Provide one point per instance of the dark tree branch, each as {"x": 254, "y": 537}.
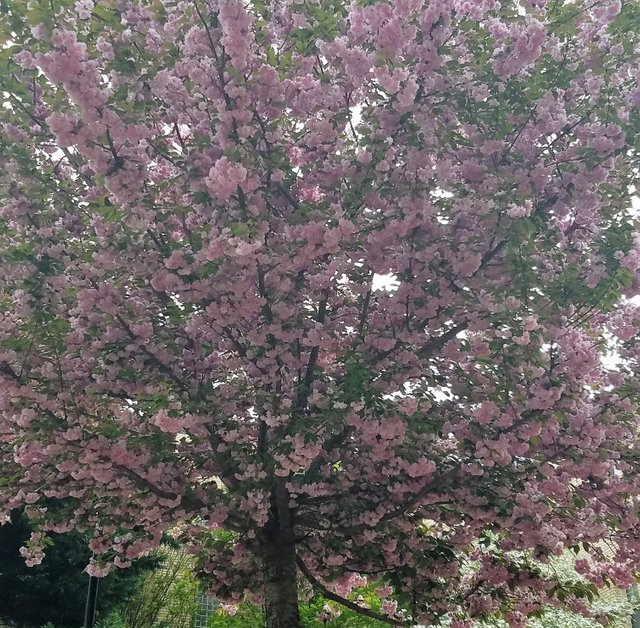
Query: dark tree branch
{"x": 364, "y": 314}
{"x": 307, "y": 381}
{"x": 330, "y": 444}
{"x": 413, "y": 501}
{"x": 161, "y": 365}
{"x": 8, "y": 370}
{"x": 437, "y": 343}
{"x": 330, "y": 595}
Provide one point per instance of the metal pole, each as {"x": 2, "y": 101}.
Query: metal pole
{"x": 632, "y": 595}
{"x": 92, "y": 599}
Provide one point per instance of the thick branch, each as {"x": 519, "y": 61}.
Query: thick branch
{"x": 330, "y": 444}
{"x": 8, "y": 370}
{"x": 412, "y": 502}
{"x": 140, "y": 480}
{"x": 364, "y": 314}
{"x": 330, "y": 595}
{"x": 489, "y": 255}
{"x": 434, "y": 344}
{"x": 307, "y": 382}
{"x": 161, "y": 365}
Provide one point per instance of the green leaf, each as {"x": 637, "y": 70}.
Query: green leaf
{"x": 202, "y": 198}
{"x": 239, "y": 229}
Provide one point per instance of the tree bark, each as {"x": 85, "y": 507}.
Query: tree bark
{"x": 280, "y": 578}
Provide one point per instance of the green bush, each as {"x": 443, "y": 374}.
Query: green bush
{"x": 114, "y": 620}
{"x": 252, "y": 616}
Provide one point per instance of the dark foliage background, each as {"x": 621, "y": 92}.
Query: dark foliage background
{"x": 55, "y": 591}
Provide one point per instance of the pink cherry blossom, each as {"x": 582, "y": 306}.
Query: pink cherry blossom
{"x": 342, "y": 292}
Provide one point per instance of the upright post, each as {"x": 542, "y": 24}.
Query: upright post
{"x": 634, "y": 599}
{"x": 92, "y": 599}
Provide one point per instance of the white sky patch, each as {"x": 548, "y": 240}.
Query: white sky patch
{"x": 611, "y": 360}
{"x": 388, "y": 282}
{"x": 355, "y": 118}
{"x": 440, "y": 193}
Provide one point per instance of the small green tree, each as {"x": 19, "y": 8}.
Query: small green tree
{"x": 167, "y": 597}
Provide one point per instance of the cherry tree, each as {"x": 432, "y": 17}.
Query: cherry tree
{"x": 332, "y": 290}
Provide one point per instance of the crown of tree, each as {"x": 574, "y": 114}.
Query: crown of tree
{"x": 335, "y": 290}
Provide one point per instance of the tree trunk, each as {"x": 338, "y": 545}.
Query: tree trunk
{"x": 280, "y": 578}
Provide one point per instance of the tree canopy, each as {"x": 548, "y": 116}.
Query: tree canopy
{"x": 331, "y": 289}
